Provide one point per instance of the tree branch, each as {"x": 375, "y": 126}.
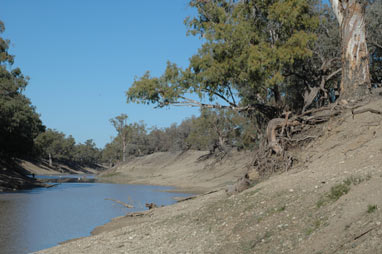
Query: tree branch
{"x": 233, "y": 104}
{"x": 376, "y": 44}
{"x": 338, "y": 10}
{"x": 267, "y": 110}
{"x": 331, "y": 75}
{"x": 233, "y": 98}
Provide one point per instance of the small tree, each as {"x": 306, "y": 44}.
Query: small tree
{"x": 120, "y": 124}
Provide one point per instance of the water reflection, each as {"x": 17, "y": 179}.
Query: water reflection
{"x": 41, "y": 218}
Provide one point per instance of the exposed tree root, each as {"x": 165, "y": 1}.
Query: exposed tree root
{"x": 293, "y": 131}
{"x": 273, "y": 154}
{"x": 355, "y": 112}
{"x": 272, "y": 128}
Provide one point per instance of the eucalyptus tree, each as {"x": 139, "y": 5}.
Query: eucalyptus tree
{"x": 19, "y": 122}
{"x": 54, "y": 145}
{"x": 350, "y": 15}
{"x": 248, "y": 48}
{"x": 136, "y": 139}
{"x": 112, "y": 151}
{"x": 87, "y": 153}
{"x": 374, "y": 40}
{"x": 120, "y": 125}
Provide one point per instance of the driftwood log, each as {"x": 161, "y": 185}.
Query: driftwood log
{"x": 120, "y": 202}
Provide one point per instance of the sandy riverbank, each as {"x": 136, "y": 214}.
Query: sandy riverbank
{"x": 329, "y": 202}
{"x": 183, "y": 170}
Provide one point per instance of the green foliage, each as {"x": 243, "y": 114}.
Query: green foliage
{"x": 56, "y": 144}
{"x": 248, "y": 46}
{"x": 335, "y": 193}
{"x": 87, "y": 153}
{"x": 112, "y": 152}
{"x": 355, "y": 180}
{"x": 371, "y": 208}
{"x": 338, "y": 191}
{"x": 221, "y": 128}
{"x": 64, "y": 149}
{"x": 19, "y": 122}
{"x": 119, "y": 123}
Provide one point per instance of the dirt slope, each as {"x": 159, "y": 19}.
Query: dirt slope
{"x": 12, "y": 178}
{"x": 16, "y": 175}
{"x": 330, "y": 202}
{"x": 183, "y": 170}
{"x": 43, "y": 168}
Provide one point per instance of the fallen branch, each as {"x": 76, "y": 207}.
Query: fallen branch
{"x": 193, "y": 197}
{"x": 364, "y": 233}
{"x": 354, "y": 238}
{"x": 374, "y": 111}
{"x": 139, "y": 214}
{"x": 120, "y": 202}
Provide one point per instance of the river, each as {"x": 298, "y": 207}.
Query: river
{"x": 40, "y": 218}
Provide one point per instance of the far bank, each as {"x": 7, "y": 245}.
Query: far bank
{"x": 188, "y": 171}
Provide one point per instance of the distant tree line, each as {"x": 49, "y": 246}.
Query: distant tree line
{"x": 214, "y": 130}
{"x": 53, "y": 145}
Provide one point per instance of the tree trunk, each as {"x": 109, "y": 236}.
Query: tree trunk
{"x": 355, "y": 81}
{"x": 123, "y": 148}
{"x": 50, "y": 160}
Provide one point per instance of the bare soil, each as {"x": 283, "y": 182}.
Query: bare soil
{"x": 12, "y": 178}
{"x": 183, "y": 170}
{"x": 43, "y": 168}
{"x": 329, "y": 202}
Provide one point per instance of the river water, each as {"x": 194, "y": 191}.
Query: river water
{"x": 43, "y": 217}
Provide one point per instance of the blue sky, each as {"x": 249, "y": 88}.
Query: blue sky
{"x": 82, "y": 55}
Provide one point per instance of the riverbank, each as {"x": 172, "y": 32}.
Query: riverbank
{"x": 329, "y": 202}
{"x": 187, "y": 171}
{"x": 17, "y": 174}
{"x": 13, "y": 177}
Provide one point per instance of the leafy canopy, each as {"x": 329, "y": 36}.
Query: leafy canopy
{"x": 248, "y": 46}
{"x": 19, "y": 122}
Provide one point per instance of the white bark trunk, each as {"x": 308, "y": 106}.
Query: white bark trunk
{"x": 355, "y": 56}
{"x": 123, "y": 148}
{"x": 50, "y": 160}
